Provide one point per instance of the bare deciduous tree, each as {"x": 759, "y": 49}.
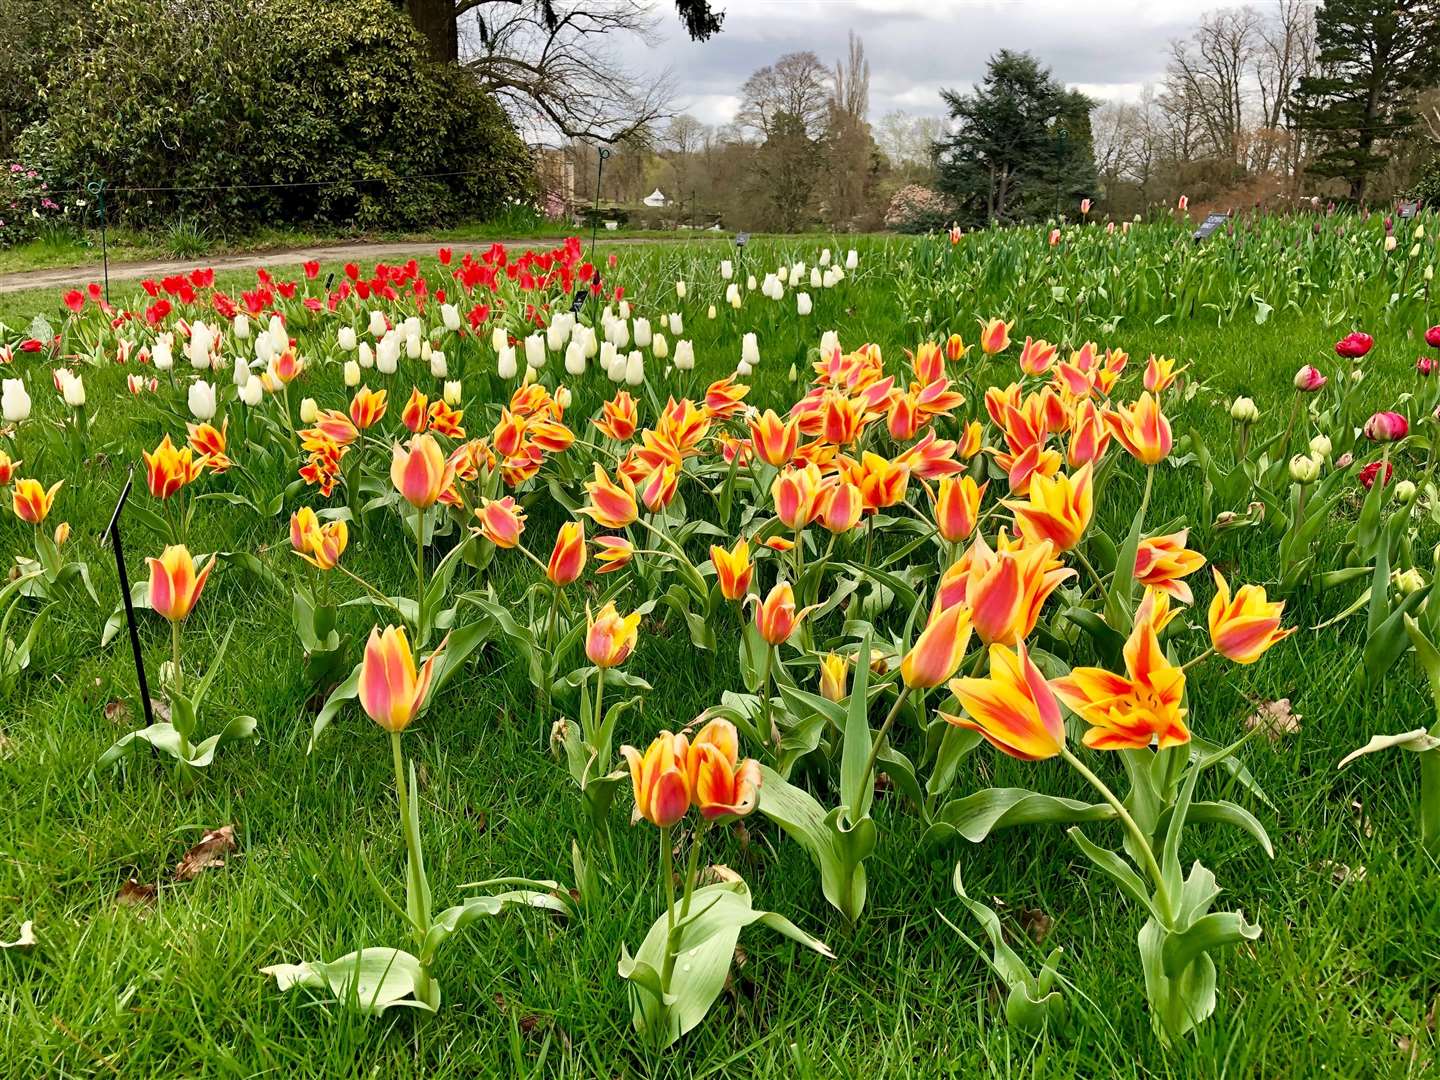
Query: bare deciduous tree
{"x": 795, "y": 86}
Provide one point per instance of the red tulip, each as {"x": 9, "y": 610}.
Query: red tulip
{"x": 1353, "y": 346}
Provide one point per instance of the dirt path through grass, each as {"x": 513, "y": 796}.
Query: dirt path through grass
{"x": 79, "y": 274}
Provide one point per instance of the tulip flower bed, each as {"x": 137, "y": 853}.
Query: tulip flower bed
{"x": 783, "y": 661}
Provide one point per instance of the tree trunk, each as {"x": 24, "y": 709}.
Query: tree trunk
{"x": 436, "y": 20}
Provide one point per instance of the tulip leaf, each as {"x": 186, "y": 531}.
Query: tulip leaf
{"x": 857, "y": 789}
{"x": 1385, "y": 644}
{"x": 704, "y": 950}
{"x": 454, "y": 919}
{"x": 1205, "y": 935}
{"x": 977, "y": 815}
{"x": 369, "y": 981}
{"x": 1129, "y": 881}
{"x": 837, "y": 851}
{"x": 1225, "y": 813}
{"x": 346, "y": 691}
{"x": 1418, "y": 741}
{"x": 139, "y": 599}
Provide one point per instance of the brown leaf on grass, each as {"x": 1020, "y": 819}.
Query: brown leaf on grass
{"x": 135, "y": 894}
{"x": 7, "y": 745}
{"x": 117, "y": 712}
{"x": 210, "y": 852}
{"x": 717, "y": 873}
{"x": 1036, "y": 923}
{"x": 1342, "y": 874}
{"x": 1275, "y": 719}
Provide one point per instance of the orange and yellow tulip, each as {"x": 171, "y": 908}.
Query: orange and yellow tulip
{"x": 567, "y": 558}
{"x": 168, "y": 469}
{"x": 31, "y": 502}
{"x": 1059, "y": 509}
{"x": 610, "y": 638}
{"x": 618, "y": 417}
{"x": 659, "y": 781}
{"x": 416, "y": 414}
{"x": 1014, "y": 709}
{"x": 420, "y": 472}
{"x": 774, "y": 440}
{"x": 8, "y": 469}
{"x": 1160, "y": 373}
{"x": 209, "y": 442}
{"x": 391, "y": 691}
{"x": 327, "y": 544}
{"x": 1004, "y": 589}
{"x": 501, "y": 521}
{"x": 733, "y": 569}
{"x": 446, "y": 421}
{"x": 955, "y": 348}
{"x": 1129, "y": 712}
{"x": 612, "y": 553}
{"x": 175, "y": 582}
{"x": 658, "y": 489}
{"x": 367, "y": 407}
{"x": 611, "y": 505}
{"x": 1142, "y": 429}
{"x": 937, "y": 652}
{"x": 1036, "y": 356}
{"x": 841, "y": 506}
{"x": 957, "y": 507}
{"x": 994, "y": 336}
{"x": 796, "y": 493}
{"x": 721, "y": 785}
{"x": 776, "y": 617}
{"x": 1244, "y": 626}
{"x": 1161, "y": 561}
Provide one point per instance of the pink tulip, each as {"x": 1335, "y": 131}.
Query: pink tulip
{"x": 1309, "y": 379}
{"x": 1386, "y": 427}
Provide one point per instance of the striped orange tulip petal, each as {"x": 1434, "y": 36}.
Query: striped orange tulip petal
{"x": 1242, "y": 627}
{"x": 1014, "y": 709}
{"x": 776, "y": 617}
{"x": 957, "y": 507}
{"x": 501, "y": 521}
{"x": 610, "y": 638}
{"x": 1059, "y": 509}
{"x": 658, "y": 779}
{"x": 176, "y": 582}
{"x": 1161, "y": 561}
{"x": 567, "y": 559}
{"x": 1142, "y": 429}
{"x": 612, "y": 553}
{"x": 420, "y": 471}
{"x": 416, "y": 415}
{"x": 327, "y": 544}
{"x": 773, "y": 439}
{"x": 367, "y": 407}
{"x": 31, "y": 502}
{"x": 612, "y": 504}
{"x": 733, "y": 569}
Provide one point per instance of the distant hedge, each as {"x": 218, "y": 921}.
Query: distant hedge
{"x": 198, "y": 99}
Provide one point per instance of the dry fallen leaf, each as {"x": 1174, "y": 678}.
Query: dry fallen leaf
{"x": 717, "y": 873}
{"x": 1036, "y": 923}
{"x": 117, "y": 712}
{"x": 26, "y": 940}
{"x": 208, "y": 853}
{"x": 1340, "y": 873}
{"x": 1274, "y": 719}
{"x": 134, "y": 894}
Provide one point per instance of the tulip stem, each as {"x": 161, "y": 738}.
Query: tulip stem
{"x": 1194, "y": 660}
{"x": 667, "y": 872}
{"x": 599, "y": 714}
{"x": 880, "y": 736}
{"x": 771, "y": 730}
{"x": 419, "y": 576}
{"x": 1099, "y": 581}
{"x": 177, "y": 680}
{"x": 1162, "y": 894}
{"x": 692, "y": 872}
{"x": 414, "y": 880}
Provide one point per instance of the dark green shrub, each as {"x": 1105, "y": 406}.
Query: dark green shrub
{"x": 233, "y": 113}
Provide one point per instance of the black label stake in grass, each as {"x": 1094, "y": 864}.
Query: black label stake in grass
{"x": 113, "y": 532}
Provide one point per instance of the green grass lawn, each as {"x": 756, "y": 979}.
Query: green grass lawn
{"x": 1345, "y": 980}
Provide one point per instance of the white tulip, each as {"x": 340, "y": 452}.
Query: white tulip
{"x": 562, "y": 397}
{"x": 352, "y": 374}
{"x": 412, "y": 348}
{"x": 387, "y": 353}
{"x": 378, "y": 325}
{"x": 710, "y": 312}
{"x": 621, "y": 337}
{"x": 635, "y": 369}
{"x": 252, "y": 392}
{"x": 198, "y": 347}
{"x": 161, "y": 355}
{"x": 309, "y": 411}
{"x": 625, "y": 309}
{"x": 829, "y": 342}
{"x": 782, "y": 275}
{"x": 499, "y": 339}
{"x": 677, "y": 324}
{"x": 684, "y": 356}
{"x": 426, "y": 349}
{"x": 201, "y": 399}
{"x": 607, "y": 355}
{"x": 852, "y": 259}
{"x": 506, "y": 364}
{"x": 824, "y": 256}
{"x": 555, "y": 336}
{"x": 664, "y": 322}
{"x": 588, "y": 341}
{"x": 680, "y": 289}
{"x": 817, "y": 281}
{"x": 535, "y": 350}
{"x": 802, "y": 303}
{"x": 450, "y": 316}
{"x": 452, "y": 395}
{"x": 750, "y": 283}
{"x": 346, "y": 338}
{"x": 732, "y": 294}
{"x": 744, "y": 370}
{"x": 1414, "y": 250}
{"x": 642, "y": 333}
{"x": 727, "y": 269}
{"x": 241, "y": 326}
{"x": 14, "y": 401}
{"x": 241, "y": 374}
{"x": 575, "y": 358}
{"x": 367, "y": 355}
{"x": 278, "y": 334}
{"x": 438, "y": 367}
{"x": 660, "y": 347}
{"x": 750, "y": 349}
{"x": 1419, "y": 233}
{"x": 412, "y": 327}
{"x": 1390, "y": 243}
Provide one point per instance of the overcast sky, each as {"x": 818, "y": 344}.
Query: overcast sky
{"x": 1107, "y": 48}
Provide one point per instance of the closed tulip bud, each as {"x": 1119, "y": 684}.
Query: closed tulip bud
{"x": 1309, "y": 379}
{"x": 658, "y": 780}
{"x": 202, "y": 400}
{"x": 346, "y": 338}
{"x": 775, "y": 616}
{"x": 710, "y": 312}
{"x": 660, "y": 347}
{"x": 609, "y": 637}
{"x": 1405, "y": 492}
{"x": 452, "y": 393}
{"x": 420, "y": 472}
{"x": 62, "y": 533}
{"x": 378, "y": 324}
{"x": 309, "y": 411}
{"x": 352, "y": 374}
{"x": 1428, "y": 273}
{"x": 8, "y": 469}
{"x": 733, "y": 569}
{"x": 937, "y": 652}
{"x": 803, "y": 305}
{"x": 1386, "y": 427}
{"x": 175, "y": 582}
{"x": 387, "y": 354}
{"x": 1320, "y": 446}
{"x": 750, "y": 283}
{"x": 1244, "y": 411}
{"x": 684, "y": 356}
{"x": 1390, "y": 243}
{"x": 567, "y": 559}
{"x": 253, "y": 392}
{"x": 413, "y": 348}
{"x": 75, "y": 395}
{"x": 163, "y": 356}
{"x": 1409, "y": 581}
{"x": 1304, "y": 469}
{"x": 535, "y": 350}
{"x": 506, "y": 364}
{"x": 1414, "y": 251}
{"x": 727, "y": 269}
{"x": 635, "y": 368}
{"x": 750, "y": 349}
{"x": 834, "y": 671}
{"x": 852, "y": 259}
{"x": 365, "y": 355}
{"x": 450, "y": 316}
{"x": 14, "y": 401}
{"x": 439, "y": 366}
{"x": 392, "y": 692}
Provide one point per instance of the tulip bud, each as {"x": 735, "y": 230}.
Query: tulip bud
{"x": 660, "y": 347}
{"x": 680, "y": 289}
{"x": 1409, "y": 581}
{"x": 346, "y": 338}
{"x": 575, "y": 358}
{"x": 1390, "y": 243}
{"x": 309, "y": 411}
{"x": 1320, "y": 446}
{"x": 162, "y": 356}
{"x": 635, "y": 369}
{"x": 62, "y": 533}
{"x": 710, "y": 312}
{"x": 750, "y": 349}
{"x": 506, "y": 364}
{"x": 450, "y": 317}
{"x": 412, "y": 347}
{"x": 438, "y": 366}
{"x": 803, "y": 305}
{"x": 1309, "y": 379}
{"x": 451, "y": 395}
{"x": 535, "y": 350}
{"x": 1386, "y": 427}
{"x": 252, "y": 392}
{"x": 74, "y": 390}
{"x": 202, "y": 400}
{"x": 1405, "y": 492}
{"x": 352, "y": 374}
{"x": 684, "y": 356}
{"x": 1243, "y": 411}
{"x": 365, "y": 355}
{"x": 378, "y": 324}
{"x": 1304, "y": 469}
